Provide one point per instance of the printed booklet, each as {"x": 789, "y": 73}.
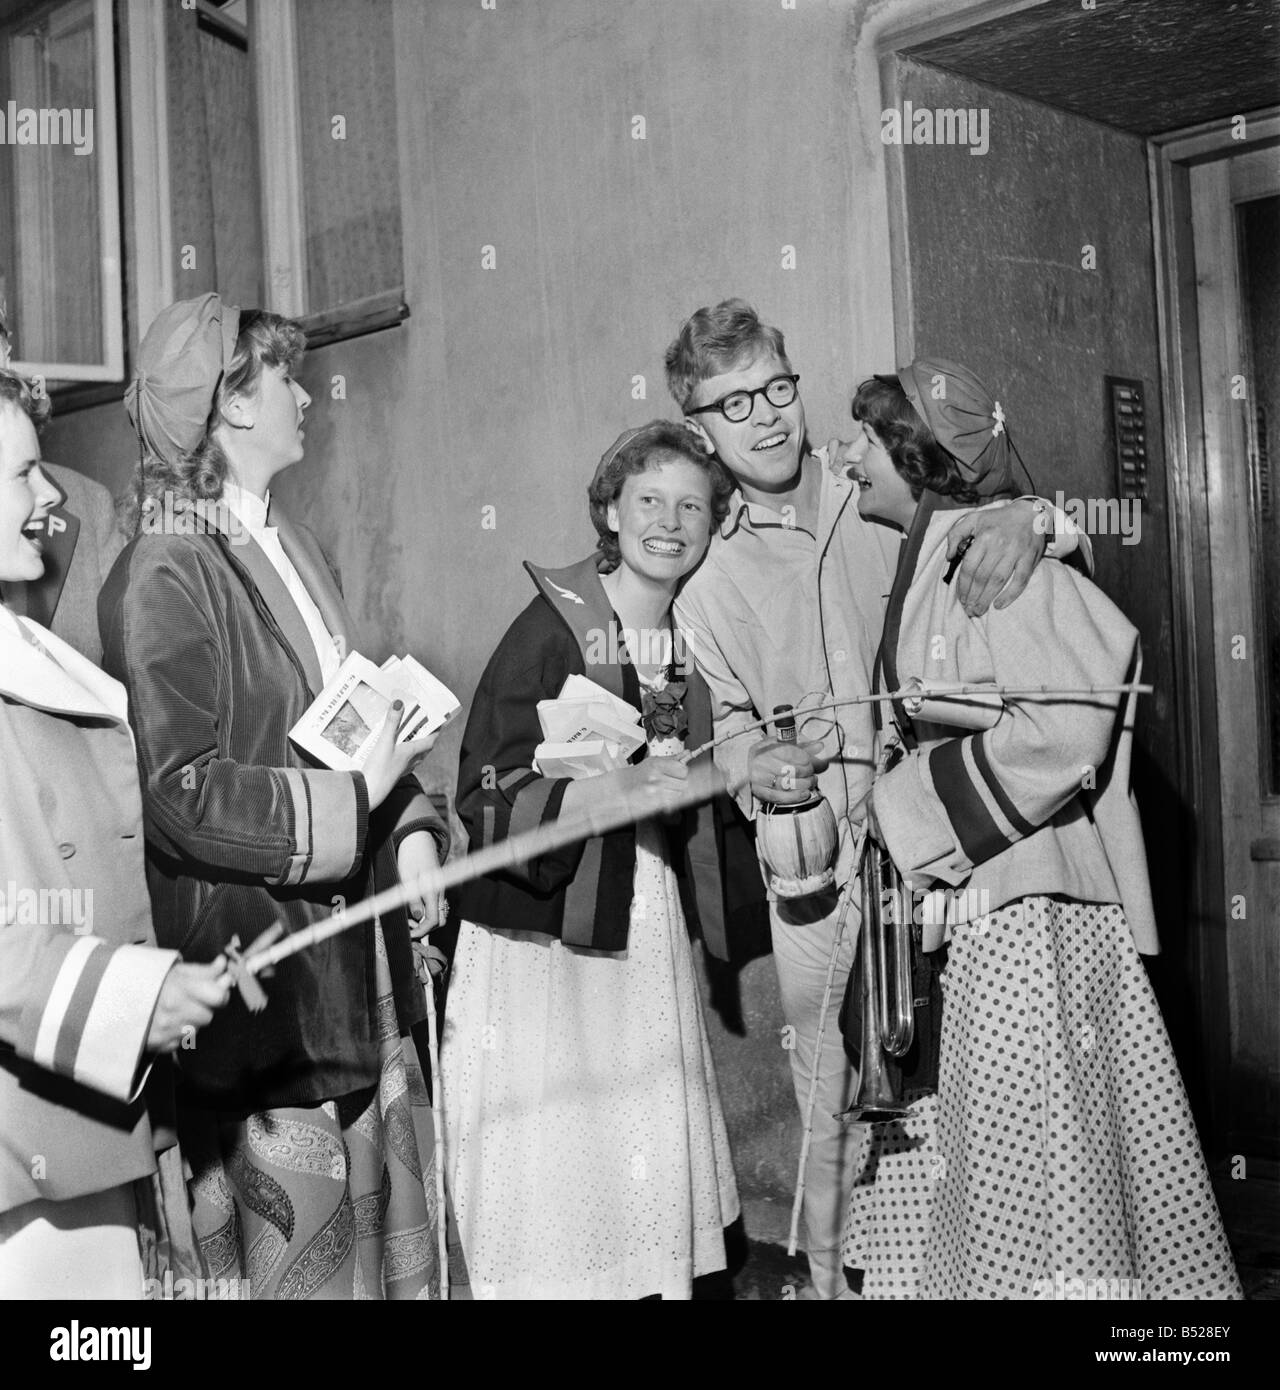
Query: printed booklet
{"x": 342, "y": 722}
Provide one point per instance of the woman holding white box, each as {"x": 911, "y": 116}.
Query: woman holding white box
{"x": 587, "y": 1150}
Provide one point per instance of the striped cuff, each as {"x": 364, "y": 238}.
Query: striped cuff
{"x": 914, "y": 827}
{"x": 330, "y": 824}
{"x": 431, "y": 826}
{"x": 93, "y": 1022}
{"x": 419, "y": 814}
{"x": 537, "y": 801}
{"x": 984, "y": 819}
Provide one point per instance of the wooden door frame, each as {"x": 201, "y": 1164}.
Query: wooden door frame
{"x": 1170, "y": 159}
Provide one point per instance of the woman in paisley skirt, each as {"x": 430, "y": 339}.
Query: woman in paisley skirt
{"x": 1059, "y": 1157}
{"x": 302, "y": 1126}
{"x": 587, "y": 1151}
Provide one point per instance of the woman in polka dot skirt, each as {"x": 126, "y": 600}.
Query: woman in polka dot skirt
{"x": 1059, "y": 1156}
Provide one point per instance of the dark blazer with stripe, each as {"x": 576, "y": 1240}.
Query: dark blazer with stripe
{"x": 583, "y": 894}
{"x": 242, "y": 829}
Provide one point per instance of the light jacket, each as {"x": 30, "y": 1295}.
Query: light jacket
{"x": 776, "y": 616}
{"x": 242, "y": 830}
{"x": 79, "y": 972}
{"x": 1040, "y": 803}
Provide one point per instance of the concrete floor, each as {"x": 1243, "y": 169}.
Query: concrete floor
{"x": 1251, "y": 1212}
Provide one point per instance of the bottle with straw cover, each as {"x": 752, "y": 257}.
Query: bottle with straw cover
{"x": 797, "y": 841}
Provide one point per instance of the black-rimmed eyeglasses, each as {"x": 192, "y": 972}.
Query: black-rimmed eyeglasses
{"x": 738, "y": 405}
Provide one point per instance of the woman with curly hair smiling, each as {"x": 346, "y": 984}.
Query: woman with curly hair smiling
{"x": 588, "y": 1153}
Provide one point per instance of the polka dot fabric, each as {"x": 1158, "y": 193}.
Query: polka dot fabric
{"x": 886, "y": 1233}
{"x": 1065, "y": 1148}
{"x": 588, "y": 1153}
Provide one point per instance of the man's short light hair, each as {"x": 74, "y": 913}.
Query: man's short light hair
{"x": 716, "y": 340}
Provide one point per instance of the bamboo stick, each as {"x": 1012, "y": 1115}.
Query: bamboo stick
{"x": 1020, "y": 692}
{"x": 437, "y": 1126}
{"x": 703, "y": 784}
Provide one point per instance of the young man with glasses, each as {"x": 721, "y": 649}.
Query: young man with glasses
{"x": 788, "y": 608}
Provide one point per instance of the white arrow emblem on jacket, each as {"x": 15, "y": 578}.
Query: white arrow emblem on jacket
{"x": 564, "y": 593}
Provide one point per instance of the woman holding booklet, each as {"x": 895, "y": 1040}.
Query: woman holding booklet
{"x": 587, "y": 1151}
{"x": 305, "y": 1125}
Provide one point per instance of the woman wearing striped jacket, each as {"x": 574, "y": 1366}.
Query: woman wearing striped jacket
{"x": 87, "y": 1001}
{"x": 302, "y": 1125}
{"x": 1064, "y": 1149}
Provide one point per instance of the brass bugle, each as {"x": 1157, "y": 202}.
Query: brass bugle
{"x": 888, "y": 1005}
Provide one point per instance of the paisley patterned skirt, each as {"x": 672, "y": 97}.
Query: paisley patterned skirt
{"x": 331, "y": 1201}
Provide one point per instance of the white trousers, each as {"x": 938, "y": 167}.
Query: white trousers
{"x": 85, "y": 1247}
{"x": 804, "y": 932}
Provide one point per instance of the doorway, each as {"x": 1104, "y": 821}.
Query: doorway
{"x": 1218, "y": 206}
{"x": 1103, "y": 235}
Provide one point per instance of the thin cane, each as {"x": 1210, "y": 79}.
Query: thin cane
{"x": 1016, "y": 692}
{"x": 269, "y": 948}
{"x": 437, "y": 1128}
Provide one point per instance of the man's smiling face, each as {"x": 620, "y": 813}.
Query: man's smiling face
{"x": 763, "y": 451}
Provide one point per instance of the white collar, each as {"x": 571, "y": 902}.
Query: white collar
{"x": 248, "y": 507}
{"x": 57, "y": 678}
{"x": 9, "y": 619}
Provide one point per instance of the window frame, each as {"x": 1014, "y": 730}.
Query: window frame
{"x": 273, "y": 26}
{"x": 145, "y": 77}
{"x": 110, "y": 267}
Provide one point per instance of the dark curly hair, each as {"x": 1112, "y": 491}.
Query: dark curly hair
{"x": 21, "y": 394}
{"x": 922, "y": 463}
{"x": 657, "y": 442}
{"x": 262, "y": 340}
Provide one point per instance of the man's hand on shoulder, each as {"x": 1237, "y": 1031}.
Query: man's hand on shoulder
{"x": 1005, "y": 548}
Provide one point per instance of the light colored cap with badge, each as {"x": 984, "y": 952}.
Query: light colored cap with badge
{"x": 965, "y": 419}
